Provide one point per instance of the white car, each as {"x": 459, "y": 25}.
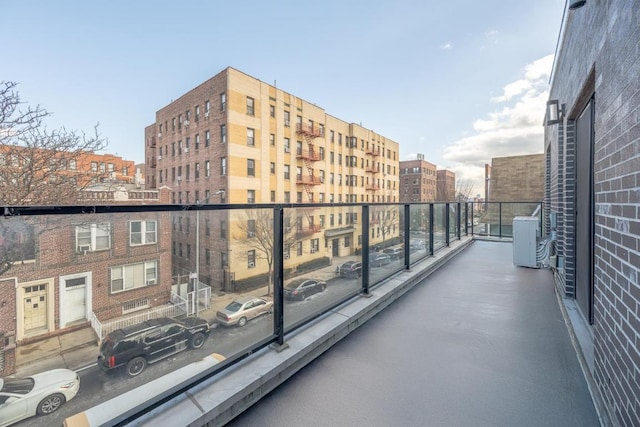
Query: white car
{"x": 40, "y": 394}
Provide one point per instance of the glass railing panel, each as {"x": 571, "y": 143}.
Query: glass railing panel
{"x": 439, "y": 225}
{"x": 419, "y": 232}
{"x": 453, "y": 221}
{"x": 386, "y": 239}
{"x": 322, "y": 259}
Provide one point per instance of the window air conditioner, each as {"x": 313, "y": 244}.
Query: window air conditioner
{"x": 206, "y": 115}
{"x": 286, "y": 122}
{"x": 159, "y": 157}
{"x": 159, "y": 134}
{"x": 186, "y": 122}
{"x": 151, "y": 282}
{"x": 251, "y": 234}
{"x": 186, "y": 150}
{"x": 251, "y": 264}
{"x": 84, "y": 248}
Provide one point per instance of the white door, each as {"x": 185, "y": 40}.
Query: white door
{"x": 75, "y": 299}
{"x": 35, "y": 309}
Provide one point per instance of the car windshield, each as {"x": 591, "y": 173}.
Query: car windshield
{"x": 234, "y": 306}
{"x": 17, "y": 385}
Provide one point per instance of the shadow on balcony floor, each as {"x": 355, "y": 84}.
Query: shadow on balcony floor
{"x": 479, "y": 342}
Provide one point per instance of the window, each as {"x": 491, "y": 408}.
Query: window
{"x": 273, "y": 196}
{"x": 223, "y": 134}
{"x": 331, "y": 220}
{"x": 197, "y": 113}
{"x": 223, "y": 229}
{"x": 331, "y": 157}
{"x": 251, "y": 136}
{"x": 339, "y": 215}
{"x": 207, "y": 107}
{"x": 196, "y": 171}
{"x": 173, "y": 124}
{"x": 131, "y": 276}
{"x": 299, "y": 197}
{"x": 339, "y": 139}
{"x": 321, "y": 152}
{"x": 207, "y": 138}
{"x": 142, "y": 232}
{"x": 272, "y": 139}
{"x": 251, "y": 167}
{"x": 251, "y": 196}
{"x": 299, "y": 248}
{"x": 93, "y": 237}
{"x": 179, "y": 121}
{"x": 332, "y": 136}
{"x": 272, "y": 110}
{"x": 223, "y": 166}
{"x": 224, "y": 261}
{"x": 321, "y": 221}
{"x": 321, "y": 198}
{"x": 94, "y": 166}
{"x": 287, "y": 145}
{"x": 250, "y": 106}
{"x": 287, "y": 118}
{"x": 287, "y": 172}
{"x": 207, "y": 256}
{"x": 272, "y": 168}
{"x": 315, "y": 245}
{"x": 207, "y": 168}
{"x": 207, "y": 227}
{"x": 72, "y": 164}
{"x": 331, "y": 178}
{"x": 197, "y": 141}
{"x": 223, "y": 101}
{"x": 251, "y": 228}
{"x": 251, "y": 258}
{"x": 287, "y": 197}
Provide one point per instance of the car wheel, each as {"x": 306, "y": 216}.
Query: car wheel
{"x": 303, "y": 296}
{"x": 136, "y": 365}
{"x": 242, "y": 321}
{"x": 323, "y": 287}
{"x": 50, "y": 404}
{"x": 197, "y": 340}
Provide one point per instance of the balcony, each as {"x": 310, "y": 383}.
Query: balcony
{"x": 307, "y": 155}
{"x": 373, "y": 151}
{"x": 372, "y": 187}
{"x": 309, "y": 130}
{"x": 308, "y": 180}
{"x": 433, "y": 233}
{"x": 372, "y": 169}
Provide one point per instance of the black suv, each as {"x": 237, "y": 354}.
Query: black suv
{"x": 136, "y": 346}
{"x": 351, "y": 269}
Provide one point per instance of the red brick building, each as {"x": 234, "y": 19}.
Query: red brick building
{"x": 417, "y": 180}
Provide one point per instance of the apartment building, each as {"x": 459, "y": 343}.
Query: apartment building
{"x": 235, "y": 139}
{"x": 445, "y": 186}
{"x": 417, "y": 180}
{"x": 592, "y": 194}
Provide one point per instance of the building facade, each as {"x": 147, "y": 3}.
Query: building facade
{"x": 445, "y": 186}
{"x": 58, "y": 275}
{"x": 592, "y": 193}
{"x": 235, "y": 139}
{"x": 417, "y": 180}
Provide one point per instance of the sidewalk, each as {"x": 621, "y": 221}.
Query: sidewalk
{"x": 79, "y": 349}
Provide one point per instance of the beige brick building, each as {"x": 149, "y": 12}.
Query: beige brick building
{"x": 235, "y": 139}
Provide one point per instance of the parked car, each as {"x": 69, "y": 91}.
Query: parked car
{"x": 39, "y": 394}
{"x": 351, "y": 269}
{"x": 240, "y": 311}
{"x": 378, "y": 259}
{"x": 136, "y": 346}
{"x": 395, "y": 253}
{"x": 300, "y": 289}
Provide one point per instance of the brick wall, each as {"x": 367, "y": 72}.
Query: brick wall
{"x": 605, "y": 63}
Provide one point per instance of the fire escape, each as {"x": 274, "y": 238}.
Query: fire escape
{"x": 309, "y": 155}
{"x": 373, "y": 169}
{"x": 152, "y": 161}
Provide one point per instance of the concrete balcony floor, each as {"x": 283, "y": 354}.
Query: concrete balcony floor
{"x": 480, "y": 342}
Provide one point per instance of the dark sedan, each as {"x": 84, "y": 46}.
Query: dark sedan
{"x": 300, "y": 289}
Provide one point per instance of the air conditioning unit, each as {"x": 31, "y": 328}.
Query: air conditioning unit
{"x": 287, "y": 256}
{"x": 251, "y": 234}
{"x": 286, "y": 123}
{"x": 159, "y": 157}
{"x": 179, "y": 178}
{"x": 206, "y": 115}
{"x": 251, "y": 264}
{"x": 151, "y": 282}
{"x": 84, "y": 248}
{"x": 159, "y": 134}
{"x": 287, "y": 149}
{"x": 186, "y": 150}
{"x": 314, "y": 250}
{"x": 186, "y": 122}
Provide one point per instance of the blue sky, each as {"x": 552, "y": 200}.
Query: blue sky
{"x": 460, "y": 81}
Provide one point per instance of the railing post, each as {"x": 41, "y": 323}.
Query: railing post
{"x": 466, "y": 218}
{"x": 278, "y": 276}
{"x": 446, "y": 223}
{"x": 365, "y": 250}
{"x": 407, "y": 236}
{"x": 500, "y": 220}
{"x": 458, "y": 219}
{"x": 431, "y": 229}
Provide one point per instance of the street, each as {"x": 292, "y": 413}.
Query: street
{"x": 97, "y": 386}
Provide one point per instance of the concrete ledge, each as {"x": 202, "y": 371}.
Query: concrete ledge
{"x": 226, "y": 395}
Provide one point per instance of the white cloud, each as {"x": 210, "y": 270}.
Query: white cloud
{"x": 447, "y": 46}
{"x": 514, "y": 129}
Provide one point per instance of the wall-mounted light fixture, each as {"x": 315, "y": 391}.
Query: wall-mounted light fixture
{"x": 576, "y": 4}
{"x": 555, "y": 112}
